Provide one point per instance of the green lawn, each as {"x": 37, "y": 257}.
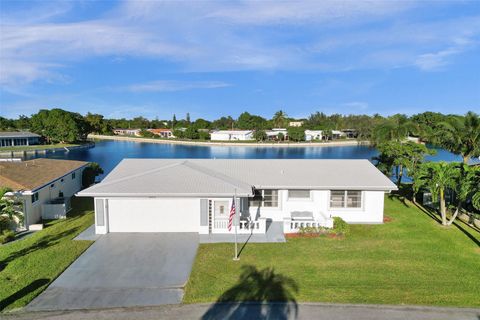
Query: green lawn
{"x": 27, "y": 266}
{"x": 410, "y": 260}
{"x": 38, "y": 147}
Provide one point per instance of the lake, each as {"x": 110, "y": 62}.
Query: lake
{"x": 109, "y": 153}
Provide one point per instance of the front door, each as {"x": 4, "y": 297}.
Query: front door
{"x": 221, "y": 214}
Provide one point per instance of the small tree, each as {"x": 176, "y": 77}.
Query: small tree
{"x": 90, "y": 173}
{"x": 147, "y": 134}
{"x": 8, "y": 208}
{"x": 438, "y": 177}
{"x": 296, "y": 133}
{"x": 260, "y": 135}
{"x": 281, "y": 136}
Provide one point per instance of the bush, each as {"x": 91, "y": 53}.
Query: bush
{"x": 7, "y": 236}
{"x": 340, "y": 226}
{"x": 308, "y": 230}
{"x": 4, "y": 223}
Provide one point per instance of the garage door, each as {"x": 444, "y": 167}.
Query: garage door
{"x": 154, "y": 215}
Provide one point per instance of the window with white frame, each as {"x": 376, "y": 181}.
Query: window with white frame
{"x": 265, "y": 198}
{"x": 345, "y": 199}
{"x": 299, "y": 194}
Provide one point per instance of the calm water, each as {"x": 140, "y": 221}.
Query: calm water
{"x": 109, "y": 153}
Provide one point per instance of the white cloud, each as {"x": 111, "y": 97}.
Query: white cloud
{"x": 211, "y": 36}
{"x": 169, "y": 86}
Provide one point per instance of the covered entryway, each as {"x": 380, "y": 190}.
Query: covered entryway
{"x": 124, "y": 270}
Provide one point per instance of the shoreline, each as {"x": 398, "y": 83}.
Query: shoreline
{"x": 232, "y": 144}
{"x": 48, "y": 149}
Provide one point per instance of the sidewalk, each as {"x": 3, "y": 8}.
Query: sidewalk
{"x": 261, "y": 311}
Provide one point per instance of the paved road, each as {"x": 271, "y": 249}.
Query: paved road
{"x": 256, "y": 311}
{"x": 123, "y": 270}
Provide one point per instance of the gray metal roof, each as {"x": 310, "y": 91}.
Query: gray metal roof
{"x": 212, "y": 177}
{"x": 18, "y": 134}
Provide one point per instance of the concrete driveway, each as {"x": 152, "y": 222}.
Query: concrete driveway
{"x": 124, "y": 270}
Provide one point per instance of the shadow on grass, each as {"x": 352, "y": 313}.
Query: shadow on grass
{"x": 258, "y": 294}
{"x": 44, "y": 242}
{"x": 23, "y": 292}
{"x": 459, "y": 226}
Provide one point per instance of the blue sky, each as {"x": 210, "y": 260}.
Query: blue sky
{"x": 157, "y": 58}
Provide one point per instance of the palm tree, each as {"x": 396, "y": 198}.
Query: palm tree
{"x": 468, "y": 185}
{"x": 396, "y": 128}
{"x": 8, "y": 208}
{"x": 437, "y": 177}
{"x": 279, "y": 119}
{"x": 460, "y": 135}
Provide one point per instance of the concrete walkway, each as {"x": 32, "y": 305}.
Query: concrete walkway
{"x": 265, "y": 311}
{"x": 124, "y": 270}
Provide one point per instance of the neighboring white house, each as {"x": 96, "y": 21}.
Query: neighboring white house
{"x": 229, "y": 135}
{"x": 162, "y": 132}
{"x": 195, "y": 195}
{"x": 18, "y": 138}
{"x": 337, "y": 134}
{"x": 273, "y": 134}
{"x": 44, "y": 185}
{"x": 127, "y": 132}
{"x": 313, "y": 135}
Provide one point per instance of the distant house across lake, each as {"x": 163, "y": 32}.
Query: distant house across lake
{"x": 164, "y": 133}
{"x": 127, "y": 132}
{"x": 231, "y": 135}
{"x": 20, "y": 138}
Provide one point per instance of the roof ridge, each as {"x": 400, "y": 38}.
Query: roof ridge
{"x": 230, "y": 180}
{"x": 103, "y": 184}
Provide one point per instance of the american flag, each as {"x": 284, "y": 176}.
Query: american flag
{"x": 232, "y": 214}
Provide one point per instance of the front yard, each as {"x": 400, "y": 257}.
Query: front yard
{"x": 410, "y": 260}
{"x": 27, "y": 266}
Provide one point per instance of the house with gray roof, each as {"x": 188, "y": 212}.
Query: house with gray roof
{"x": 196, "y": 195}
{"x": 18, "y": 138}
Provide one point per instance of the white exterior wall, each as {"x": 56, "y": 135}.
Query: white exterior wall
{"x": 222, "y": 136}
{"x": 47, "y": 193}
{"x": 319, "y": 203}
{"x": 152, "y": 215}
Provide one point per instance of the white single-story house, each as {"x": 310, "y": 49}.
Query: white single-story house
{"x": 43, "y": 185}
{"x": 162, "y": 132}
{"x": 337, "y": 134}
{"x": 313, "y": 135}
{"x": 127, "y": 132}
{"x": 18, "y": 138}
{"x": 229, "y": 135}
{"x": 195, "y": 195}
{"x": 273, "y": 134}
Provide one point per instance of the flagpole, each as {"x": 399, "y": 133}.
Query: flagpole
{"x": 236, "y": 258}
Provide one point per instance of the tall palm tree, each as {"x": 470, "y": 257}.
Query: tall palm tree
{"x": 279, "y": 119}
{"x": 437, "y": 177}
{"x": 460, "y": 135}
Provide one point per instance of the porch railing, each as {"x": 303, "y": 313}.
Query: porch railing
{"x": 244, "y": 227}
{"x": 294, "y": 226}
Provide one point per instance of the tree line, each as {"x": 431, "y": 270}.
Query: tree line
{"x": 57, "y": 125}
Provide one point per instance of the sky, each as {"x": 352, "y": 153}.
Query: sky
{"x": 215, "y": 58}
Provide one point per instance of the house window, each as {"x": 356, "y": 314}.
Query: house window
{"x": 299, "y": 194}
{"x": 345, "y": 199}
{"x": 73, "y": 175}
{"x": 265, "y": 198}
{"x": 35, "y": 197}
{"x": 52, "y": 185}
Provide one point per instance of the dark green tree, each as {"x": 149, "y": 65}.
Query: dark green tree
{"x": 58, "y": 125}
{"x": 296, "y": 133}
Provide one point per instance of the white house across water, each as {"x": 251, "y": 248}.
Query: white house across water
{"x": 195, "y": 195}
{"x": 229, "y": 135}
